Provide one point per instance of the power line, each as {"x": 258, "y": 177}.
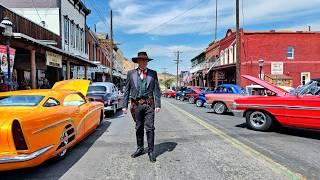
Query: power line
{"x": 170, "y": 20}
{"x": 37, "y": 12}
{"x": 93, "y": 4}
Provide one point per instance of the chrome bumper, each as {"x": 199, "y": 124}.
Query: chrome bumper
{"x": 238, "y": 113}
{"x": 21, "y": 158}
{"x": 108, "y": 108}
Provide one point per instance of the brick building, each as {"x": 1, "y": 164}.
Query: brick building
{"x": 290, "y": 58}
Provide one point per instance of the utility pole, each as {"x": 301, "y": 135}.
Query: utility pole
{"x": 177, "y": 62}
{"x": 216, "y": 26}
{"x": 111, "y": 45}
{"x": 238, "y": 64}
{"x": 165, "y": 76}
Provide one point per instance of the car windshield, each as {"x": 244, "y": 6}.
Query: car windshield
{"x": 97, "y": 89}
{"x": 23, "y": 100}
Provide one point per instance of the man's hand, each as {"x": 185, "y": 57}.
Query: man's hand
{"x": 124, "y": 110}
{"x": 157, "y": 110}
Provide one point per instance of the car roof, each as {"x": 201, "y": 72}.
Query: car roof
{"x": 38, "y": 92}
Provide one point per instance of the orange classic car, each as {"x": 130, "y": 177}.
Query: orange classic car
{"x": 36, "y": 125}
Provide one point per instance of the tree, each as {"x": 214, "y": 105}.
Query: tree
{"x": 168, "y": 83}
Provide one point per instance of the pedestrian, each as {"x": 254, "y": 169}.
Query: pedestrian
{"x": 45, "y": 84}
{"x": 142, "y": 87}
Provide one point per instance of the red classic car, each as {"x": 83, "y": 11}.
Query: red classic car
{"x": 169, "y": 93}
{"x": 191, "y": 94}
{"x": 300, "y": 108}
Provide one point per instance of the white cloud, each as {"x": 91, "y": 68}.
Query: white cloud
{"x": 132, "y": 16}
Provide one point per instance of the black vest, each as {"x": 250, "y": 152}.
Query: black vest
{"x": 142, "y": 87}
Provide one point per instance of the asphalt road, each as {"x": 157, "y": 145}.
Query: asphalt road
{"x": 191, "y": 143}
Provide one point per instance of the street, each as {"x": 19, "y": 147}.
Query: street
{"x": 191, "y": 143}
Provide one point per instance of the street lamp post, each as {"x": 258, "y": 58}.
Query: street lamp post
{"x": 261, "y": 62}
{"x": 8, "y": 33}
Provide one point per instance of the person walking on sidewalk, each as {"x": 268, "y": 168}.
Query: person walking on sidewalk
{"x": 142, "y": 87}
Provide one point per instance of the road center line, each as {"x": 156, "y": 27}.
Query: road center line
{"x": 242, "y": 147}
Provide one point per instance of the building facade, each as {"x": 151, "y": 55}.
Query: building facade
{"x": 290, "y": 58}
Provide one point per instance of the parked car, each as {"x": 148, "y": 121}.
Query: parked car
{"x": 221, "y": 103}
{"x": 169, "y": 93}
{"x": 108, "y": 94}
{"x": 192, "y": 94}
{"x": 181, "y": 91}
{"x": 37, "y": 125}
{"x": 300, "y": 109}
{"x": 191, "y": 91}
{"x": 221, "y": 89}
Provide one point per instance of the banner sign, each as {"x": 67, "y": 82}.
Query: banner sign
{"x": 4, "y": 61}
{"x": 53, "y": 59}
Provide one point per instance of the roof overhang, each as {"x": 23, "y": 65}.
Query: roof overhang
{"x": 52, "y": 48}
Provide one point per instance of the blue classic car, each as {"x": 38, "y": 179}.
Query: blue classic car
{"x": 224, "y": 88}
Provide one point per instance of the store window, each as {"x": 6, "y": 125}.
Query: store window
{"x": 290, "y": 54}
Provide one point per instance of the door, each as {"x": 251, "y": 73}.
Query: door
{"x": 303, "y": 111}
{"x": 305, "y": 77}
{"x": 81, "y": 109}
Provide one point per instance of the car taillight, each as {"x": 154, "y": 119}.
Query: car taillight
{"x": 18, "y": 137}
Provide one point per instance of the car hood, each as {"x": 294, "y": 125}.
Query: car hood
{"x": 279, "y": 91}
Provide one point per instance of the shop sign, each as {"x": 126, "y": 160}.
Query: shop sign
{"x": 53, "y": 59}
{"x": 276, "y": 68}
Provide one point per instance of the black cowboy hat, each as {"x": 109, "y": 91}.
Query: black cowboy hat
{"x": 141, "y": 55}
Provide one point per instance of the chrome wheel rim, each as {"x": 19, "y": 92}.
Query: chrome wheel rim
{"x": 258, "y": 119}
{"x": 64, "y": 142}
{"x": 199, "y": 103}
{"x": 219, "y": 108}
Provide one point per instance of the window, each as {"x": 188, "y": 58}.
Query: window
{"x": 66, "y": 30}
{"x": 231, "y": 55}
{"x": 20, "y": 100}
{"x": 51, "y": 102}
{"x": 74, "y": 100}
{"x": 72, "y": 34}
{"x": 81, "y": 40}
{"x": 290, "y": 54}
{"x": 221, "y": 57}
{"x": 77, "y": 37}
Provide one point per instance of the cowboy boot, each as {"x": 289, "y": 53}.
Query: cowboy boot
{"x": 150, "y": 138}
{"x": 140, "y": 149}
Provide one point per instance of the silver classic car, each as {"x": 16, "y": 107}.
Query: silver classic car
{"x": 107, "y": 93}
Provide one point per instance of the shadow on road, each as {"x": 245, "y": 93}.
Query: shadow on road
{"x": 54, "y": 169}
{"x": 164, "y": 147}
{"x": 304, "y": 133}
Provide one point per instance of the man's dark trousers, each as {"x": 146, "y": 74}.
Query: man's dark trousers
{"x": 144, "y": 114}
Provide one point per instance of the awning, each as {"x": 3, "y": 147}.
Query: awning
{"x": 52, "y": 48}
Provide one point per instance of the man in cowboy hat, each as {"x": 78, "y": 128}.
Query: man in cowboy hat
{"x": 142, "y": 87}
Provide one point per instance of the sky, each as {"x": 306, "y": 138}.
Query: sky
{"x": 161, "y": 27}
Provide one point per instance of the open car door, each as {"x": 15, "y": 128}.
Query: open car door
{"x": 73, "y": 85}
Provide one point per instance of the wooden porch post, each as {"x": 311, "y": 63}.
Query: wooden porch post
{"x": 33, "y": 69}
{"x": 86, "y": 72}
{"x": 68, "y": 69}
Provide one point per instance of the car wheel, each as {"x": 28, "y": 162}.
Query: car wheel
{"x": 101, "y": 119}
{"x": 219, "y": 108}
{"x": 64, "y": 140}
{"x": 259, "y": 121}
{"x": 178, "y": 97}
{"x": 191, "y": 100}
{"x": 181, "y": 98}
{"x": 199, "y": 103}
{"x": 169, "y": 96}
